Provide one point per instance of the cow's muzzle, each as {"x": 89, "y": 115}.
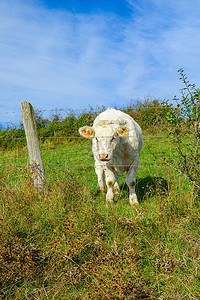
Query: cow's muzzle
{"x": 104, "y": 157}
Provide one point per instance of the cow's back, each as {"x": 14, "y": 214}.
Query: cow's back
{"x": 113, "y": 116}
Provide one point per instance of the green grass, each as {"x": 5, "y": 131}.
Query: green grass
{"x": 65, "y": 244}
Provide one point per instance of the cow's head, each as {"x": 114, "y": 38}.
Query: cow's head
{"x": 105, "y": 139}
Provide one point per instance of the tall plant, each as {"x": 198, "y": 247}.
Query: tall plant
{"x": 185, "y": 130}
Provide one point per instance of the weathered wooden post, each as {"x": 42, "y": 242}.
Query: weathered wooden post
{"x": 36, "y": 165}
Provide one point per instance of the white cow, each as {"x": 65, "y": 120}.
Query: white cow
{"x": 116, "y": 145}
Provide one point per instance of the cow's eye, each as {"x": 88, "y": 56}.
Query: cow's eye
{"x": 96, "y": 139}
{"x": 113, "y": 138}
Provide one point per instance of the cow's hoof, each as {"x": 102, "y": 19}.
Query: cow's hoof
{"x": 109, "y": 200}
{"x": 135, "y": 204}
{"x": 133, "y": 200}
{"x": 116, "y": 190}
{"x": 109, "y": 203}
{"x": 100, "y": 190}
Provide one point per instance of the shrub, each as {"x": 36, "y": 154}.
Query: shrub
{"x": 150, "y": 114}
{"x": 185, "y": 131}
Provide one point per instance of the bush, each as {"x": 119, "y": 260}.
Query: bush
{"x": 185, "y": 131}
{"x": 150, "y": 114}
{"x": 12, "y": 137}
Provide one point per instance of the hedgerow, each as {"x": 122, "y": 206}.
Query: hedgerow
{"x": 150, "y": 114}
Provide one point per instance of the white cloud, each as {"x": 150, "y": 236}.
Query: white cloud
{"x": 55, "y": 58}
{"x": 164, "y": 37}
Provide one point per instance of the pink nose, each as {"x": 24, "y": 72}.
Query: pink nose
{"x": 103, "y": 156}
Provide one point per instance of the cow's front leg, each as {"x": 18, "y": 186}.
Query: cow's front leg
{"x": 131, "y": 182}
{"x": 110, "y": 180}
{"x": 99, "y": 172}
{"x": 116, "y": 188}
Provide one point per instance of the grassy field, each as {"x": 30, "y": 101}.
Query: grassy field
{"x": 64, "y": 243}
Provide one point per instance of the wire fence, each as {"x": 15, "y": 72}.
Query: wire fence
{"x": 74, "y": 165}
{"x": 69, "y": 110}
{"x": 75, "y": 137}
{"x": 76, "y": 151}
{"x": 14, "y": 117}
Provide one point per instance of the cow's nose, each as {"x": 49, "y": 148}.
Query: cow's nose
{"x": 103, "y": 157}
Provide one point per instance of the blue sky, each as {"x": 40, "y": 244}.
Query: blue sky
{"x": 72, "y": 54}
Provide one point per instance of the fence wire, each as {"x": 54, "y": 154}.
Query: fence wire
{"x": 64, "y": 112}
{"x": 74, "y": 137}
{"x": 82, "y": 165}
{"x": 77, "y": 111}
{"x": 69, "y": 110}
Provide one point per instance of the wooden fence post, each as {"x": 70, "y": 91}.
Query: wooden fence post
{"x": 36, "y": 165}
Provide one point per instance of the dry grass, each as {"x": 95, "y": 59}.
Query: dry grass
{"x": 64, "y": 244}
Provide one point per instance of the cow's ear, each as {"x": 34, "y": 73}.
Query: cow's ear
{"x": 87, "y": 132}
{"x": 122, "y": 130}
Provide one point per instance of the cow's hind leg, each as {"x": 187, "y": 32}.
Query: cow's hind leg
{"x": 131, "y": 182}
{"x": 100, "y": 184}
